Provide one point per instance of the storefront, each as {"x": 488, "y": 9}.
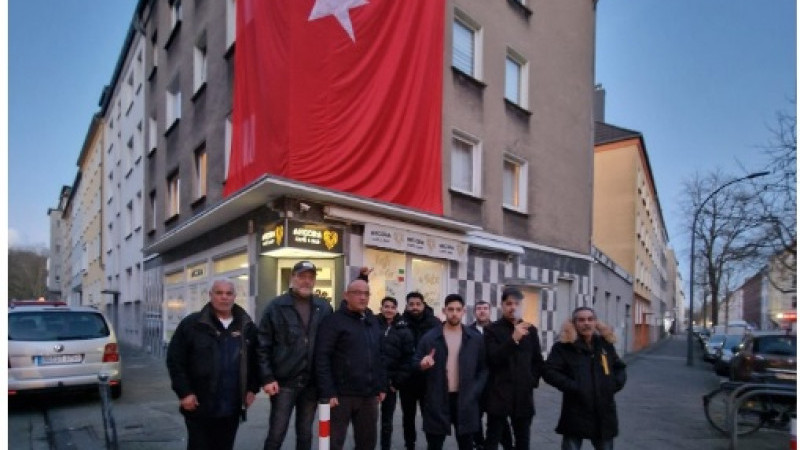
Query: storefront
{"x": 284, "y": 243}
{"x": 404, "y": 261}
{"x": 187, "y": 282}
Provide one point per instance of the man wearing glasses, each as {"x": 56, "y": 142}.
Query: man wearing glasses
{"x": 350, "y": 374}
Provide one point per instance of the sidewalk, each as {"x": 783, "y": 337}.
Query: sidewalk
{"x": 660, "y": 408}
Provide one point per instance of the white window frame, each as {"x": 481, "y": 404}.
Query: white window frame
{"x": 176, "y": 14}
{"x": 475, "y": 144}
{"x": 173, "y": 103}
{"x": 230, "y": 23}
{"x": 521, "y": 182}
{"x": 522, "y": 78}
{"x": 228, "y": 137}
{"x": 200, "y": 63}
{"x": 200, "y": 172}
{"x": 152, "y": 134}
{"x": 473, "y": 26}
{"x": 173, "y": 201}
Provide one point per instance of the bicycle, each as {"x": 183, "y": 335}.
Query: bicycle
{"x": 109, "y": 426}
{"x": 759, "y": 410}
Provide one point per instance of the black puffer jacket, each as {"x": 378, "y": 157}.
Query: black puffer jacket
{"x": 348, "y": 355}
{"x": 194, "y": 356}
{"x": 418, "y": 327}
{"x": 285, "y": 347}
{"x": 588, "y": 384}
{"x": 397, "y": 349}
{"x": 514, "y": 370}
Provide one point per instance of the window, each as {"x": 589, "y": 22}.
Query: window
{"x": 516, "y": 86}
{"x": 154, "y": 42}
{"x": 200, "y": 172}
{"x": 129, "y": 219}
{"x": 465, "y": 164}
{"x": 173, "y": 195}
{"x": 152, "y": 210}
{"x": 230, "y": 23}
{"x": 228, "y": 135}
{"x": 200, "y": 63}
{"x": 175, "y": 14}
{"x": 129, "y": 157}
{"x": 467, "y": 45}
{"x": 173, "y": 104}
{"x": 515, "y": 182}
{"x": 152, "y": 136}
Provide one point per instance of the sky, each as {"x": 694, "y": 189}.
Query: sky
{"x": 702, "y": 80}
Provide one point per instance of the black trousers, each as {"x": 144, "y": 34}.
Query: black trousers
{"x": 464, "y": 440}
{"x": 412, "y": 393}
{"x": 211, "y": 433}
{"x": 363, "y": 412}
{"x": 387, "y": 418}
{"x": 497, "y": 426}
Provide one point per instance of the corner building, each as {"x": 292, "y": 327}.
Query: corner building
{"x": 459, "y": 163}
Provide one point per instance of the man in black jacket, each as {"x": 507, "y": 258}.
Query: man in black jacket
{"x": 397, "y": 350}
{"x": 585, "y": 367}
{"x": 515, "y": 364}
{"x": 419, "y": 317}
{"x": 350, "y": 372}
{"x": 286, "y": 336}
{"x": 452, "y": 358}
{"x": 212, "y": 368}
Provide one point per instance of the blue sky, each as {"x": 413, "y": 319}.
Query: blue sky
{"x": 701, "y": 79}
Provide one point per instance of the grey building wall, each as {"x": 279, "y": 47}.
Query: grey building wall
{"x": 612, "y": 298}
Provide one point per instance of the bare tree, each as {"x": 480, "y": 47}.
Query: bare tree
{"x": 27, "y": 273}
{"x": 726, "y": 233}
{"x": 777, "y": 201}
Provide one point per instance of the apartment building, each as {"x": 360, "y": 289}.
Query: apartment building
{"x": 511, "y": 162}
{"x": 122, "y": 106}
{"x": 58, "y": 238}
{"x": 612, "y": 298}
{"x": 629, "y": 226}
{"x": 83, "y": 268}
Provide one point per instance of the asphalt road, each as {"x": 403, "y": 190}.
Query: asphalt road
{"x": 659, "y": 408}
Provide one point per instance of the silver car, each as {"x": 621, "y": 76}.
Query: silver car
{"x": 54, "y": 347}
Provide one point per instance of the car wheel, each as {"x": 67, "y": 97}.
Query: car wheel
{"x": 116, "y": 390}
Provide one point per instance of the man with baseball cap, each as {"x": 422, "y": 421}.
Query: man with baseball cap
{"x": 286, "y": 336}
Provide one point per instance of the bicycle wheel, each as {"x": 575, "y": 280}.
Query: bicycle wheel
{"x": 748, "y": 420}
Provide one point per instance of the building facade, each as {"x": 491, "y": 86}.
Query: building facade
{"x": 122, "y": 108}
{"x": 507, "y": 146}
{"x": 612, "y": 299}
{"x": 58, "y": 239}
{"x": 629, "y": 226}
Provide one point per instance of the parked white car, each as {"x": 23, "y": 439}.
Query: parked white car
{"x": 54, "y": 347}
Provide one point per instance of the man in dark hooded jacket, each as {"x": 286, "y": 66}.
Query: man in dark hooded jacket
{"x": 419, "y": 318}
{"x": 585, "y": 367}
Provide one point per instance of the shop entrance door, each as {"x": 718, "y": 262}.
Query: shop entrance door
{"x": 325, "y": 286}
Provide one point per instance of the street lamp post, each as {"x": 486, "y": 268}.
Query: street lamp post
{"x": 689, "y": 343}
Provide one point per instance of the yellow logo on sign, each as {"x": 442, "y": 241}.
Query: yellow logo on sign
{"x": 279, "y": 234}
{"x": 330, "y": 238}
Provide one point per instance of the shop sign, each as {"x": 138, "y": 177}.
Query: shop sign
{"x": 414, "y": 242}
{"x": 295, "y": 234}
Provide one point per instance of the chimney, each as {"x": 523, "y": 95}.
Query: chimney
{"x": 599, "y": 103}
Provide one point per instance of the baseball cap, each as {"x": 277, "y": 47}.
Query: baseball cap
{"x": 303, "y": 266}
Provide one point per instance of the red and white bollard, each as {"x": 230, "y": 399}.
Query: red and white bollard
{"x": 324, "y": 426}
{"x": 793, "y": 441}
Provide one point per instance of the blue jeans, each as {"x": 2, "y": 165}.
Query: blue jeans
{"x": 574, "y": 443}
{"x": 304, "y": 399}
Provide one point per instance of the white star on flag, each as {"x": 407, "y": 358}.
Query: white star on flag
{"x": 339, "y": 9}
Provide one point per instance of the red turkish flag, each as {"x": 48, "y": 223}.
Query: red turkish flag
{"x": 343, "y": 94}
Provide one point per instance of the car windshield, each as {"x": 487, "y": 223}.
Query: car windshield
{"x": 776, "y": 345}
{"x": 56, "y": 326}
{"x": 716, "y": 339}
{"x": 732, "y": 340}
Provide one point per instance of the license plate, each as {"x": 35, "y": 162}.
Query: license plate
{"x": 47, "y": 360}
